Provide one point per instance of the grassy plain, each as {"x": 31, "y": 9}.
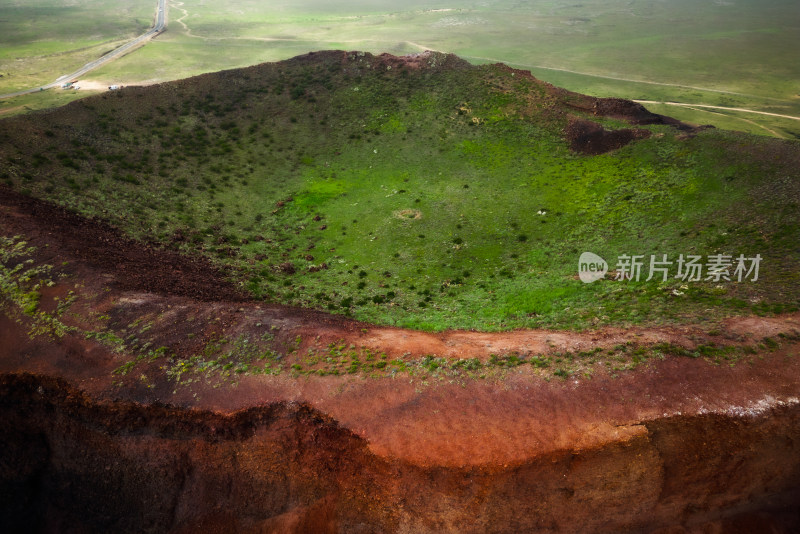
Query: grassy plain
{"x": 43, "y": 39}
{"x": 438, "y": 199}
{"x": 741, "y": 54}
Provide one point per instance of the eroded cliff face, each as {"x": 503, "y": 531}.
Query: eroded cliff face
{"x": 74, "y": 464}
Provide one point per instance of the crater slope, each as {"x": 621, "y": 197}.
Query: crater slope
{"x": 204, "y": 375}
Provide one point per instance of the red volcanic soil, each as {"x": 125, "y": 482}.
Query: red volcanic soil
{"x": 589, "y": 137}
{"x": 676, "y": 445}
{"x": 101, "y": 247}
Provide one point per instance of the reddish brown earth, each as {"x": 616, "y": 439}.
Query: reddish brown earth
{"x": 589, "y": 137}
{"x": 677, "y": 445}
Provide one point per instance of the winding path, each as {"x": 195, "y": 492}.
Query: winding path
{"x": 708, "y": 106}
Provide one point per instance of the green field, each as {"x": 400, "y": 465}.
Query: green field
{"x": 442, "y": 198}
{"x": 42, "y": 39}
{"x": 735, "y": 54}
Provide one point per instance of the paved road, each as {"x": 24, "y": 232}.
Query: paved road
{"x": 158, "y": 27}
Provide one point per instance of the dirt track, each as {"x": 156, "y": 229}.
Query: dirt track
{"x": 677, "y": 444}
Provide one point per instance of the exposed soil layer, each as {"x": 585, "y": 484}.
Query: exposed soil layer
{"x": 589, "y": 137}
{"x": 138, "y": 266}
{"x": 617, "y": 108}
{"x": 71, "y": 463}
